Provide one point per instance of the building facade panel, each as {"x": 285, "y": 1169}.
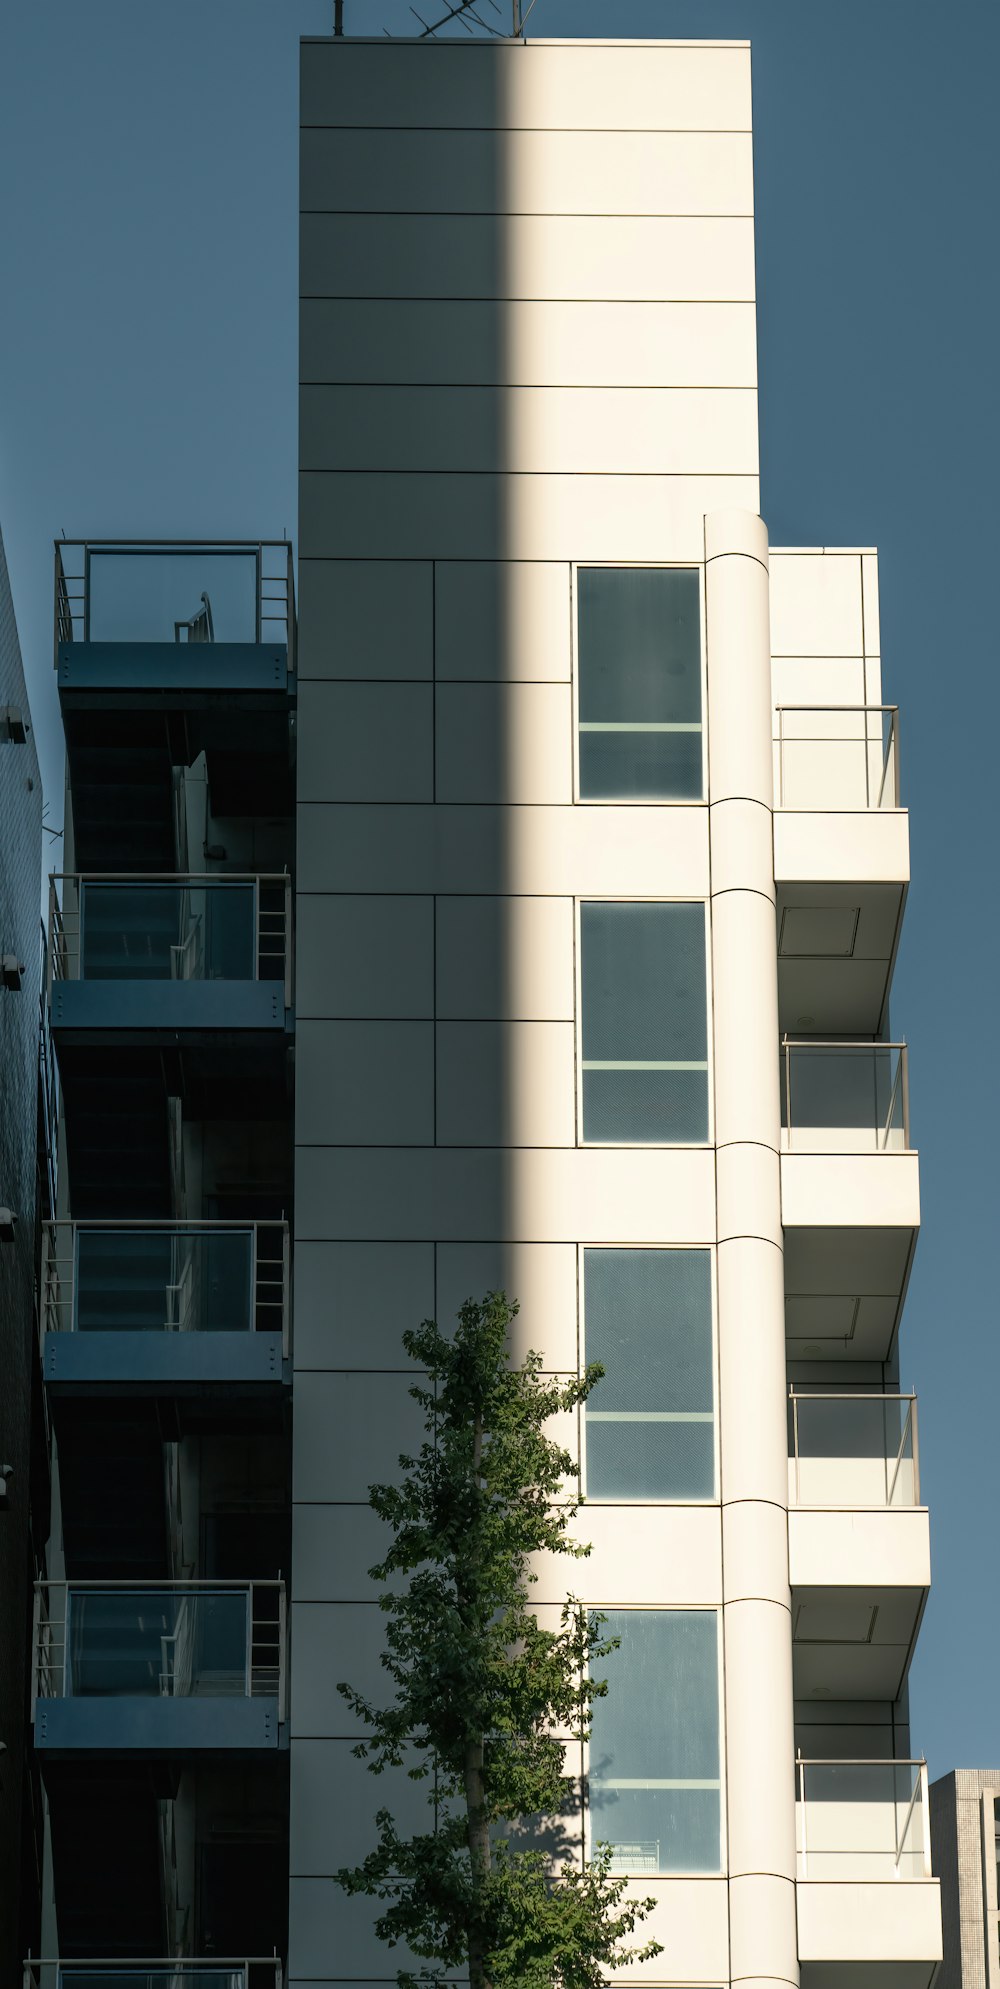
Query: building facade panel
{"x": 664, "y": 859}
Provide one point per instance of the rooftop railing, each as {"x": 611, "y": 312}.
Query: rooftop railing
{"x": 151, "y": 591}
{"x": 837, "y": 756}
{"x": 862, "y": 1819}
{"x": 170, "y": 1640}
{"x": 843, "y": 1097}
{"x": 165, "y": 1277}
{"x": 180, "y": 1974}
{"x": 107, "y": 926}
{"x": 853, "y": 1449}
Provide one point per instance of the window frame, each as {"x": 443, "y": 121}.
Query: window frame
{"x": 641, "y": 1146}
{"x": 669, "y": 1609}
{"x": 633, "y": 566}
{"x": 629, "y": 1505}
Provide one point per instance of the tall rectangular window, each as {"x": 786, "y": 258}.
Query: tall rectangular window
{"x": 639, "y": 666}
{"x": 644, "y": 1023}
{"x": 655, "y": 1790}
{"x": 650, "y": 1424}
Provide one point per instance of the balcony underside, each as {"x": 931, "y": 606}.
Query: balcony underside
{"x": 858, "y": 1935}
{"x": 859, "y": 1581}
{"x": 836, "y": 950}
{"x": 170, "y": 1727}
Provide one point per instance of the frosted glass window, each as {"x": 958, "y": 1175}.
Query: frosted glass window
{"x": 644, "y": 1023}
{"x": 639, "y": 661}
{"x": 654, "y": 1786}
{"x": 650, "y": 1424}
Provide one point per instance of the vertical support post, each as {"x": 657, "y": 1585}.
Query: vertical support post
{"x": 282, "y": 1651}
{"x": 753, "y": 1386}
{"x": 287, "y": 937}
{"x": 286, "y": 1291}
{"x": 905, "y": 1072}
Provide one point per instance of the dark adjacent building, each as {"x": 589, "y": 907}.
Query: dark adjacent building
{"x": 20, "y": 964}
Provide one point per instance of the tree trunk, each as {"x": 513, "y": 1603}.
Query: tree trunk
{"x": 477, "y": 1827}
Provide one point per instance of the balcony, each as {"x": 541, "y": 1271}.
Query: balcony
{"x": 148, "y": 615}
{"x": 179, "y": 1974}
{"x": 856, "y": 1451}
{"x": 841, "y": 864}
{"x": 850, "y": 1196}
{"x": 142, "y": 1671}
{"x": 165, "y": 652}
{"x": 194, "y": 953}
{"x": 163, "y": 1308}
{"x": 869, "y": 1911}
{"x": 858, "y": 1543}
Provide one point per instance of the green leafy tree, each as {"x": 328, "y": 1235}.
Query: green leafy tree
{"x": 495, "y": 1885}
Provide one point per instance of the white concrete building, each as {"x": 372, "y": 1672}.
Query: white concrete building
{"x": 601, "y": 869}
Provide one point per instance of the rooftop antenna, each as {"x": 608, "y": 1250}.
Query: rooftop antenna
{"x": 466, "y": 11}
{"x": 461, "y": 10}
{"x": 338, "y": 17}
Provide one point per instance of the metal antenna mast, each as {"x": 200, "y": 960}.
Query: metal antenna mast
{"x": 338, "y": 17}
{"x": 465, "y": 11}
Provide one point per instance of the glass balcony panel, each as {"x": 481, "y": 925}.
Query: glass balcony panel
{"x": 844, "y": 1097}
{"x": 158, "y": 1643}
{"x": 839, "y": 758}
{"x": 160, "y": 596}
{"x": 852, "y": 1451}
{"x": 164, "y": 1281}
{"x": 861, "y": 1820}
{"x": 167, "y": 932}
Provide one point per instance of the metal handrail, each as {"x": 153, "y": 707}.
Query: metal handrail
{"x": 268, "y": 1293}
{"x": 274, "y": 589}
{"x": 900, "y": 1083}
{"x": 266, "y": 1640}
{"x": 856, "y": 1396}
{"x": 890, "y": 745}
{"x": 920, "y": 1789}
{"x": 176, "y": 1966}
{"x": 272, "y": 925}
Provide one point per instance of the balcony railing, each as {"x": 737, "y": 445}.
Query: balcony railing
{"x": 165, "y": 1277}
{"x": 187, "y": 1974}
{"x": 184, "y": 1640}
{"x": 853, "y": 1450}
{"x": 840, "y": 1097}
{"x": 170, "y": 928}
{"x": 219, "y": 591}
{"x": 837, "y": 757}
{"x": 862, "y": 1820}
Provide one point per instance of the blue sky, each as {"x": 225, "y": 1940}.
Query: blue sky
{"x": 147, "y": 387}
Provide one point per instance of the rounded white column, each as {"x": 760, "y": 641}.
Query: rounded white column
{"x": 757, "y": 1628}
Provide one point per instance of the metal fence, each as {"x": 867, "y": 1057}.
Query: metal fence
{"x": 189, "y": 1973}
{"x": 165, "y": 1277}
{"x": 174, "y": 590}
{"x": 195, "y": 1639}
{"x": 170, "y": 926}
